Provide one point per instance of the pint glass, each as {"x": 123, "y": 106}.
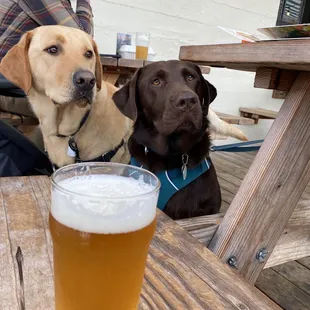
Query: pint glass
{"x": 102, "y": 220}
{"x": 142, "y": 45}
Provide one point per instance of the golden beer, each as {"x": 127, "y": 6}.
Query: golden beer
{"x": 142, "y": 52}
{"x": 101, "y": 242}
{"x": 142, "y": 45}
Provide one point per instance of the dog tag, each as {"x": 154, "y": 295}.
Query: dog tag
{"x": 184, "y": 171}
{"x": 184, "y": 165}
{"x": 71, "y": 152}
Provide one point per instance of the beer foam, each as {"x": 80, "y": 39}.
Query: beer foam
{"x": 111, "y": 204}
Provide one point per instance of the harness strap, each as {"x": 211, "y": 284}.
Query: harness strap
{"x": 172, "y": 180}
{"x": 106, "y": 157}
{"x": 238, "y": 147}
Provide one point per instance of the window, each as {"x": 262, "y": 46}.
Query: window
{"x": 293, "y": 12}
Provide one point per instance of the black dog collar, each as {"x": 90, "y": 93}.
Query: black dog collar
{"x": 106, "y": 157}
{"x": 83, "y": 121}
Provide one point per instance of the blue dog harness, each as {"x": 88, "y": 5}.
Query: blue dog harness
{"x": 173, "y": 180}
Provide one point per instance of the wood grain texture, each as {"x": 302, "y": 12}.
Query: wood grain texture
{"x": 296, "y": 274}
{"x": 205, "y": 69}
{"x": 130, "y": 63}
{"x": 257, "y": 113}
{"x": 108, "y": 61}
{"x": 272, "y": 187}
{"x": 277, "y": 94}
{"x": 291, "y": 55}
{"x": 8, "y": 297}
{"x": 273, "y": 78}
{"x": 294, "y": 242}
{"x": 281, "y": 290}
{"x": 174, "y": 242}
{"x": 26, "y": 229}
{"x": 305, "y": 262}
{"x": 180, "y": 274}
{"x": 233, "y": 119}
{"x": 110, "y": 77}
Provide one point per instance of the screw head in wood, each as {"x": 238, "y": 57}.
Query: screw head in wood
{"x": 232, "y": 262}
{"x": 262, "y": 255}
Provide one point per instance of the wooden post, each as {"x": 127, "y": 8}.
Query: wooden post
{"x": 271, "y": 189}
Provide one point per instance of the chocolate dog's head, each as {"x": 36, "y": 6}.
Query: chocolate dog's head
{"x": 170, "y": 100}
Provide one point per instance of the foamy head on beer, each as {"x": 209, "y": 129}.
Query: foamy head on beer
{"x": 104, "y": 204}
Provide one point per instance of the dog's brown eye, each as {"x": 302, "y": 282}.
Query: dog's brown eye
{"x": 156, "y": 82}
{"x": 52, "y": 50}
{"x": 190, "y": 77}
{"x": 89, "y": 54}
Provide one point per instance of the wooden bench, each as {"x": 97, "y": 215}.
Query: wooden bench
{"x": 233, "y": 119}
{"x": 257, "y": 113}
{"x": 231, "y": 170}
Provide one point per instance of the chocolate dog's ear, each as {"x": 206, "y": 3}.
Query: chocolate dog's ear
{"x": 210, "y": 92}
{"x": 15, "y": 64}
{"x": 126, "y": 98}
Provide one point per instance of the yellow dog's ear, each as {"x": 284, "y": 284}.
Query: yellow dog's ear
{"x": 98, "y": 70}
{"x": 15, "y": 64}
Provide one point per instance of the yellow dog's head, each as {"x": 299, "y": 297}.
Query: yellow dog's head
{"x": 61, "y": 62}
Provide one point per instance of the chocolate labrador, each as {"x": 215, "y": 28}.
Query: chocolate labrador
{"x": 168, "y": 102}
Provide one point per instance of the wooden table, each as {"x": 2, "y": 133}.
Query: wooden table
{"x": 280, "y": 172}
{"x": 180, "y": 274}
{"x": 120, "y": 70}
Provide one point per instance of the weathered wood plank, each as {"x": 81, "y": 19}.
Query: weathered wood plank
{"x": 282, "y": 291}
{"x": 174, "y": 241}
{"x": 8, "y": 293}
{"x": 232, "y": 119}
{"x": 180, "y": 272}
{"x": 42, "y": 193}
{"x": 305, "y": 262}
{"x": 273, "y": 78}
{"x": 26, "y": 229}
{"x": 281, "y": 171}
{"x": 107, "y": 61}
{"x": 205, "y": 69}
{"x": 161, "y": 277}
{"x": 110, "y": 77}
{"x": 290, "y": 55}
{"x": 293, "y": 244}
{"x": 296, "y": 274}
{"x": 130, "y": 63}
{"x": 277, "y": 94}
{"x": 257, "y": 113}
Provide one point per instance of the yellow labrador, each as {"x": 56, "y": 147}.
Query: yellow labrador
{"x": 60, "y": 71}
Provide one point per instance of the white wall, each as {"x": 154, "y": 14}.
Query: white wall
{"x": 173, "y": 23}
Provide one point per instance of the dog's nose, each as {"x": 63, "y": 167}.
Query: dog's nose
{"x": 84, "y": 80}
{"x": 186, "y": 101}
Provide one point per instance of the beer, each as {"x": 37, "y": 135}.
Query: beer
{"x": 101, "y": 244}
{"x": 142, "y": 45}
{"x": 142, "y": 52}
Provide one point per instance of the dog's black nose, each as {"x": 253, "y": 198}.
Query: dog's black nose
{"x": 186, "y": 101}
{"x": 84, "y": 80}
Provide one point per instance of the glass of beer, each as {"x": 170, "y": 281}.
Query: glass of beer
{"x": 142, "y": 45}
{"x": 102, "y": 220}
